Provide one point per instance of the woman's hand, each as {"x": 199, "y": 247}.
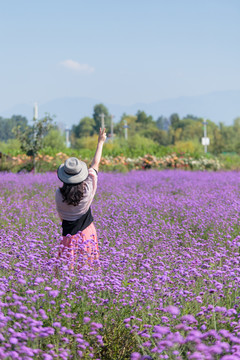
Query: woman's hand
{"x": 102, "y": 135}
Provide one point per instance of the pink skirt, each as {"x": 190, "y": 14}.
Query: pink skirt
{"x": 80, "y": 249}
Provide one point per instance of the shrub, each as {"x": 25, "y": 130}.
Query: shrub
{"x": 11, "y": 147}
{"x": 230, "y": 161}
{"x": 54, "y": 140}
{"x": 188, "y": 147}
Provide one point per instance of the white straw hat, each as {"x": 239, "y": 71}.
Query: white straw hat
{"x": 73, "y": 171}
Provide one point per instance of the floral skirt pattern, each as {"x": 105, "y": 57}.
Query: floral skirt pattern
{"x": 80, "y": 249}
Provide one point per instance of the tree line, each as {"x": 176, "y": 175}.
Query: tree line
{"x": 164, "y": 131}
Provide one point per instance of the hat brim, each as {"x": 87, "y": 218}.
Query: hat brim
{"x": 72, "y": 179}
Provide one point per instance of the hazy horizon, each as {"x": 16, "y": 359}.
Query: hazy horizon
{"x": 217, "y": 106}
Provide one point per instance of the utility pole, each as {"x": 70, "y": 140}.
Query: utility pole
{"x": 35, "y": 117}
{"x": 112, "y": 116}
{"x": 205, "y": 139}
{"x": 35, "y": 111}
{"x": 68, "y": 144}
{"x": 125, "y": 126}
{"x": 102, "y": 120}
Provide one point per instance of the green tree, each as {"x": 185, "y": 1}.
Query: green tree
{"x": 86, "y": 127}
{"x": 228, "y": 135}
{"x": 217, "y": 143}
{"x": 32, "y": 138}
{"x": 192, "y": 129}
{"x": 7, "y": 126}
{"x": 97, "y": 111}
{"x": 143, "y": 120}
{"x": 190, "y": 116}
{"x": 157, "y": 135}
{"x": 174, "y": 125}
{"x": 174, "y": 121}
{"x": 236, "y": 129}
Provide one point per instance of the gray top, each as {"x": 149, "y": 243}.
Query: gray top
{"x": 71, "y": 212}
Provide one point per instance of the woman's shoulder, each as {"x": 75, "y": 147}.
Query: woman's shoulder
{"x": 91, "y": 181}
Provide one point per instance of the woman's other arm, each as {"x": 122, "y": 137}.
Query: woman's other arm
{"x": 57, "y": 202}
{"x": 97, "y": 157}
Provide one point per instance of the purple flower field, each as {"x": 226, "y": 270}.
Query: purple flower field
{"x": 168, "y": 286}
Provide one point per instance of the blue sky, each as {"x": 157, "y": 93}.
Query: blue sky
{"x": 120, "y": 52}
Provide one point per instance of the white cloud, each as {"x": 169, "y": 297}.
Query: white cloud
{"x": 76, "y": 66}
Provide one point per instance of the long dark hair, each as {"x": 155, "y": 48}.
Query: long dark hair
{"x": 72, "y": 193}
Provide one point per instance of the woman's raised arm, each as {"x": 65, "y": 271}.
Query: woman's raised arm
{"x": 97, "y": 157}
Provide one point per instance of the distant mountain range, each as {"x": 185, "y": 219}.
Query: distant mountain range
{"x": 221, "y": 106}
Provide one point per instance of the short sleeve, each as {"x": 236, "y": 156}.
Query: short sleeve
{"x": 94, "y": 170}
{"x": 91, "y": 180}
